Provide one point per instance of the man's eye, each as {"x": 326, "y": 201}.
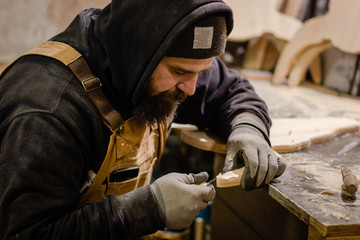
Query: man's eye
{"x": 178, "y": 72}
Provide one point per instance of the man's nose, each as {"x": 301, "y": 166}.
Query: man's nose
{"x": 188, "y": 85}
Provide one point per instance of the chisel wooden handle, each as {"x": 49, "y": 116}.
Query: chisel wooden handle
{"x": 350, "y": 181}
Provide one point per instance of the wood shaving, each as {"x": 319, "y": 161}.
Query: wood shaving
{"x": 337, "y": 167}
{"x": 328, "y": 192}
{"x": 302, "y": 170}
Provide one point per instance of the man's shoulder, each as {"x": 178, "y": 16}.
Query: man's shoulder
{"x": 41, "y": 84}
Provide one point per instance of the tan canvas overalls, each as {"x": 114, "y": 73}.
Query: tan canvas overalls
{"x": 130, "y": 145}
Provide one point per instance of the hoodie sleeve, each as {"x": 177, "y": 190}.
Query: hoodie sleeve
{"x": 221, "y": 95}
{"x": 48, "y": 143}
{"x": 39, "y": 188}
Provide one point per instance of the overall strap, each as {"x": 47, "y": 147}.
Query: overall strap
{"x": 92, "y": 85}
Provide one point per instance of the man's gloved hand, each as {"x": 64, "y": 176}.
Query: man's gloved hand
{"x": 181, "y": 198}
{"x": 262, "y": 164}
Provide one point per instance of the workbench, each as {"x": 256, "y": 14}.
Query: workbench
{"x": 307, "y": 201}
{"x": 298, "y": 207}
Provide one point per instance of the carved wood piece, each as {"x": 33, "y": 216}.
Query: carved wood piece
{"x": 337, "y": 28}
{"x": 262, "y": 22}
{"x": 254, "y": 18}
{"x": 230, "y": 179}
{"x": 309, "y": 59}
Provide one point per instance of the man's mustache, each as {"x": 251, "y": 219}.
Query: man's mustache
{"x": 176, "y": 95}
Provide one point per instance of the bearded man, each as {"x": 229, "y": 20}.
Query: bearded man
{"x": 84, "y": 119}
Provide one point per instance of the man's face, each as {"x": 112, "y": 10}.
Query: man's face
{"x": 172, "y": 81}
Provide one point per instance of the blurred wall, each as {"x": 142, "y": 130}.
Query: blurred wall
{"x": 26, "y": 23}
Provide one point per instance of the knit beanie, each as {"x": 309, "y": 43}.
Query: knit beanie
{"x": 204, "y": 39}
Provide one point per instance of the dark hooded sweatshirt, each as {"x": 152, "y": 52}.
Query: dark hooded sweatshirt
{"x": 51, "y": 134}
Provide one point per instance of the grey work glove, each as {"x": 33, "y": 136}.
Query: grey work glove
{"x": 262, "y": 164}
{"x": 181, "y": 198}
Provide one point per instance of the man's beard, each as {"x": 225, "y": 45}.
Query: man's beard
{"x": 158, "y": 107}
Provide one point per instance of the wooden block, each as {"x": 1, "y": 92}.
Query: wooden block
{"x": 230, "y": 179}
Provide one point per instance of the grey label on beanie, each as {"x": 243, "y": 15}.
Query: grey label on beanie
{"x": 203, "y": 37}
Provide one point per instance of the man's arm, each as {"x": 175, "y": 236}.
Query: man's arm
{"x": 50, "y": 137}
{"x": 226, "y": 103}
{"x": 221, "y": 95}
{"x": 42, "y": 171}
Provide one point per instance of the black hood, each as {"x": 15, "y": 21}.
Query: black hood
{"x": 128, "y": 38}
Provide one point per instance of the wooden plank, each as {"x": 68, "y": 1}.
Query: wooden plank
{"x": 199, "y": 139}
{"x": 289, "y": 135}
{"x": 286, "y": 134}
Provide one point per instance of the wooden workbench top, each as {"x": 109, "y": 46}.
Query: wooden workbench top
{"x": 315, "y": 171}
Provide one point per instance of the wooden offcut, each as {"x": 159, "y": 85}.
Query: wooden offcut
{"x": 230, "y": 179}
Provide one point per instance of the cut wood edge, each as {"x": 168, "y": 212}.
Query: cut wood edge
{"x": 230, "y": 179}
